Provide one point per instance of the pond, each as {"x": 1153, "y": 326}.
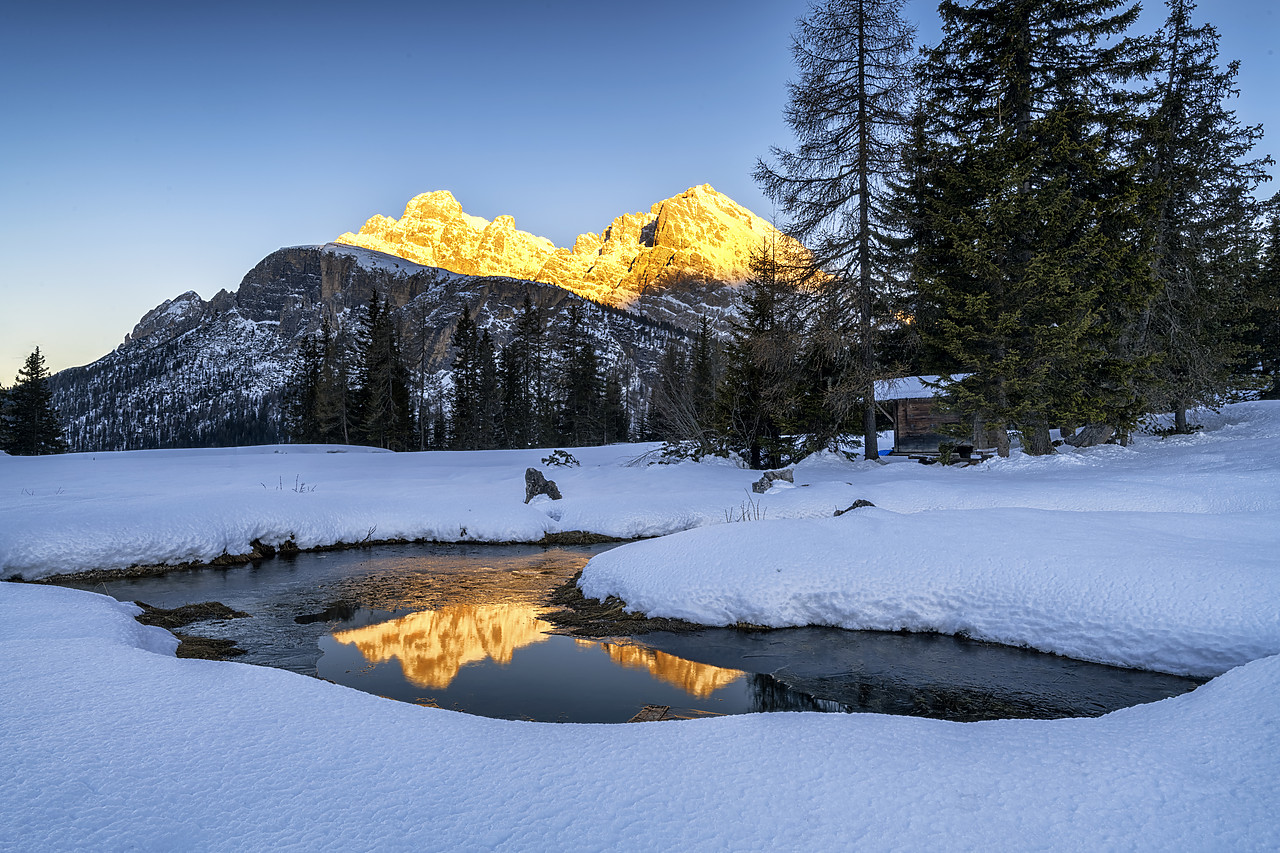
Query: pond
{"x": 460, "y": 627}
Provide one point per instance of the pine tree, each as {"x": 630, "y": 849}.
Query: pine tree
{"x": 34, "y": 428}
{"x": 302, "y": 394}
{"x": 756, "y": 400}
{"x": 383, "y": 414}
{"x": 523, "y": 372}
{"x": 466, "y": 415}
{"x": 1032, "y": 258}
{"x": 1264, "y": 310}
{"x": 4, "y": 419}
{"x": 849, "y": 111}
{"x": 672, "y": 413}
{"x": 489, "y": 401}
{"x": 582, "y": 385}
{"x": 1200, "y": 181}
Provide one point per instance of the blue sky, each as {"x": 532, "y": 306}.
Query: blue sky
{"x": 148, "y": 149}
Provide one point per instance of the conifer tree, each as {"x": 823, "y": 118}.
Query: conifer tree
{"x": 1200, "y": 177}
{"x": 4, "y": 418}
{"x": 466, "y": 415}
{"x": 1264, "y": 310}
{"x": 582, "y": 385}
{"x": 384, "y": 415}
{"x": 489, "y": 401}
{"x": 33, "y": 426}
{"x": 672, "y": 415}
{"x": 756, "y": 400}
{"x": 1031, "y": 258}
{"x": 849, "y": 110}
{"x": 524, "y": 381}
{"x": 616, "y": 421}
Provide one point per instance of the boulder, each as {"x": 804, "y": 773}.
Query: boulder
{"x": 770, "y": 477}
{"x": 1091, "y": 435}
{"x": 535, "y": 484}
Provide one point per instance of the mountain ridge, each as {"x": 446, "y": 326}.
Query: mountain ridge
{"x": 698, "y": 236}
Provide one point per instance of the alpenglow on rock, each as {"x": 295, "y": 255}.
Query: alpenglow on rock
{"x": 697, "y": 237}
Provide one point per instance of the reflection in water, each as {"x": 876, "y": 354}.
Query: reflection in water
{"x": 434, "y": 644}
{"x": 696, "y": 679}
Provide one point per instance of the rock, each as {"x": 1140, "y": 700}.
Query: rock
{"x": 535, "y": 484}
{"x": 858, "y": 504}
{"x": 1091, "y": 435}
{"x": 697, "y": 237}
{"x": 770, "y": 477}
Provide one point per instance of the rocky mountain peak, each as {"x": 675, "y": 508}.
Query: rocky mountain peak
{"x": 695, "y": 238}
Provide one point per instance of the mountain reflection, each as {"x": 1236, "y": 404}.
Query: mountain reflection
{"x": 433, "y": 645}
{"x": 696, "y": 679}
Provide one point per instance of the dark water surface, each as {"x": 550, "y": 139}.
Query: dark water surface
{"x": 457, "y": 626}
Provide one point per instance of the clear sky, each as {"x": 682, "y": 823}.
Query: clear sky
{"x": 148, "y": 149}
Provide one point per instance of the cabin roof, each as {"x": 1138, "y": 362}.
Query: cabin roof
{"x": 908, "y": 387}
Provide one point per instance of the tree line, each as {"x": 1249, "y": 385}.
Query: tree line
{"x": 1056, "y": 215}
{"x": 544, "y": 387}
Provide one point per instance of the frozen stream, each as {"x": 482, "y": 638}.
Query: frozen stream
{"x": 458, "y": 626}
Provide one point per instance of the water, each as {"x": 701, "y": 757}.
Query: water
{"x": 457, "y": 626}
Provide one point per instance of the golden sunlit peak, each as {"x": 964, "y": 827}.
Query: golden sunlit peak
{"x": 434, "y": 645}
{"x": 697, "y": 236}
{"x": 696, "y": 679}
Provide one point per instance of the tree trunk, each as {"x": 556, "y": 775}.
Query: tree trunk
{"x": 1180, "y": 420}
{"x": 1036, "y": 441}
{"x": 1000, "y": 438}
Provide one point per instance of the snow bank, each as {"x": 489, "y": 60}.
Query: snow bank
{"x": 110, "y": 745}
{"x": 1184, "y": 593}
{"x": 1161, "y": 556}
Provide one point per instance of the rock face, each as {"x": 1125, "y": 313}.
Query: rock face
{"x": 699, "y": 237}
{"x": 196, "y": 373}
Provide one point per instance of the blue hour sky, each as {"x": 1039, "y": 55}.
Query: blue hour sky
{"x": 148, "y": 149}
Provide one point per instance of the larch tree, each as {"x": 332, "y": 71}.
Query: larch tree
{"x": 848, "y": 110}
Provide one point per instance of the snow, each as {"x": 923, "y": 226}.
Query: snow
{"x": 111, "y": 743}
{"x": 1159, "y": 556}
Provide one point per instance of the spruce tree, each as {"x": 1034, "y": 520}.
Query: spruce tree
{"x": 581, "y": 383}
{"x": 1264, "y": 311}
{"x": 302, "y": 394}
{"x": 1032, "y": 258}
{"x": 756, "y": 400}
{"x": 33, "y": 425}
{"x": 1200, "y": 177}
{"x": 525, "y": 403}
{"x": 384, "y": 415}
{"x": 849, "y": 111}
{"x": 466, "y": 410}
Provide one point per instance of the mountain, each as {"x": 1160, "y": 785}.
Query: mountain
{"x": 697, "y": 237}
{"x": 200, "y": 373}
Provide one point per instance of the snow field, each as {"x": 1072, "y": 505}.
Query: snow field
{"x": 1163, "y": 555}
{"x": 111, "y": 744}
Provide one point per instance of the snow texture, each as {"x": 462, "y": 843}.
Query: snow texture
{"x": 110, "y": 743}
{"x": 1161, "y": 555}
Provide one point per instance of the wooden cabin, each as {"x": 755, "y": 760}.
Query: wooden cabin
{"x": 918, "y": 418}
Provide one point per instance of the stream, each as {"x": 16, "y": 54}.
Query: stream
{"x": 459, "y": 627}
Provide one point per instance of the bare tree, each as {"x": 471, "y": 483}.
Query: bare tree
{"x": 849, "y": 111}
